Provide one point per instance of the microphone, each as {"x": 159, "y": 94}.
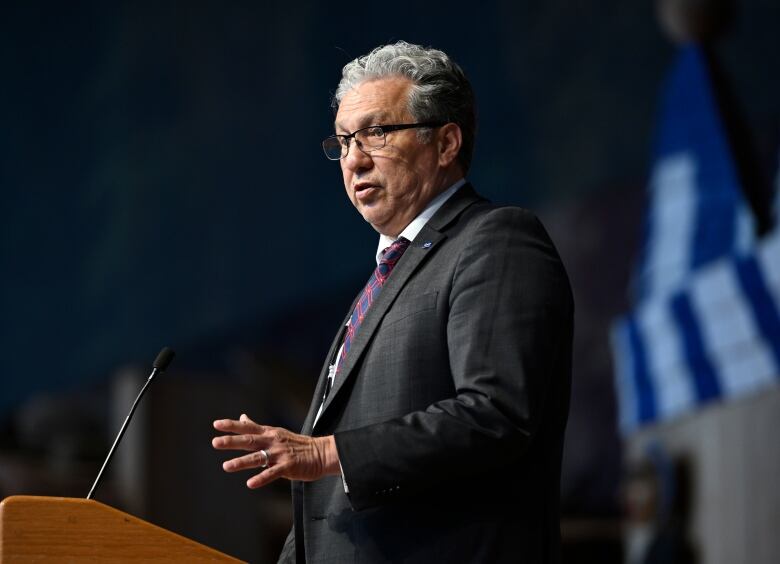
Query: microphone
{"x": 162, "y": 361}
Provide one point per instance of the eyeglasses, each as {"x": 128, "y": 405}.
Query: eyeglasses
{"x": 367, "y": 139}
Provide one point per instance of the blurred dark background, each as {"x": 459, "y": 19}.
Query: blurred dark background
{"x": 163, "y": 184}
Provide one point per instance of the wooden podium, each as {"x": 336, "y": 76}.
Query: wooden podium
{"x": 62, "y": 529}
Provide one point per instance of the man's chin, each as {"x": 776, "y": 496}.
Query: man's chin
{"x": 370, "y": 214}
{"x": 384, "y": 229}
{"x": 379, "y": 226}
{"x": 374, "y": 223}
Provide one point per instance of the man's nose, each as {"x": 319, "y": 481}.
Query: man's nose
{"x": 356, "y": 159}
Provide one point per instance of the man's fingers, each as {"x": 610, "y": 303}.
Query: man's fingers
{"x": 251, "y": 460}
{"x": 286, "y": 454}
{"x": 245, "y": 417}
{"x": 264, "y": 478}
{"x": 241, "y": 426}
{"x": 239, "y": 442}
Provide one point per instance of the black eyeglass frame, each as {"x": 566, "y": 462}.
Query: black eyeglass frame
{"x": 345, "y": 139}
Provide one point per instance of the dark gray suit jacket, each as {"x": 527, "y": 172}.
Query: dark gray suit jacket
{"x": 450, "y": 408}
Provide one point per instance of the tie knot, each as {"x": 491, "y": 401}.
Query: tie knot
{"x": 392, "y": 253}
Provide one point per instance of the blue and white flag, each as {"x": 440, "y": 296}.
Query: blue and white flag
{"x": 706, "y": 322}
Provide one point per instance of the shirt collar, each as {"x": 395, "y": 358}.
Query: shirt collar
{"x": 411, "y": 230}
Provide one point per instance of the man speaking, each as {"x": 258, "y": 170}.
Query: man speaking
{"x": 436, "y": 429}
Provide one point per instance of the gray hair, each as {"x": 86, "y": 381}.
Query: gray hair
{"x": 440, "y": 90}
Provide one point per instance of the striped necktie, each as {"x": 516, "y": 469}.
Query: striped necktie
{"x": 390, "y": 257}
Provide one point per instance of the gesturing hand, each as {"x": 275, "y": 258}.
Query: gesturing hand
{"x": 289, "y": 455}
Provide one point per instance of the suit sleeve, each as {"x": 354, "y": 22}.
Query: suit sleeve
{"x": 509, "y": 326}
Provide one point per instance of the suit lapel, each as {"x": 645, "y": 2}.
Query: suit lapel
{"x": 426, "y": 241}
{"x": 412, "y": 258}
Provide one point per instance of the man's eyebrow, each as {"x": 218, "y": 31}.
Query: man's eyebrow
{"x": 377, "y": 118}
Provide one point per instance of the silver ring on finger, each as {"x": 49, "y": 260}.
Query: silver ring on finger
{"x": 266, "y": 459}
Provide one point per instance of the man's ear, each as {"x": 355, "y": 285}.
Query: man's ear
{"x": 450, "y": 140}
